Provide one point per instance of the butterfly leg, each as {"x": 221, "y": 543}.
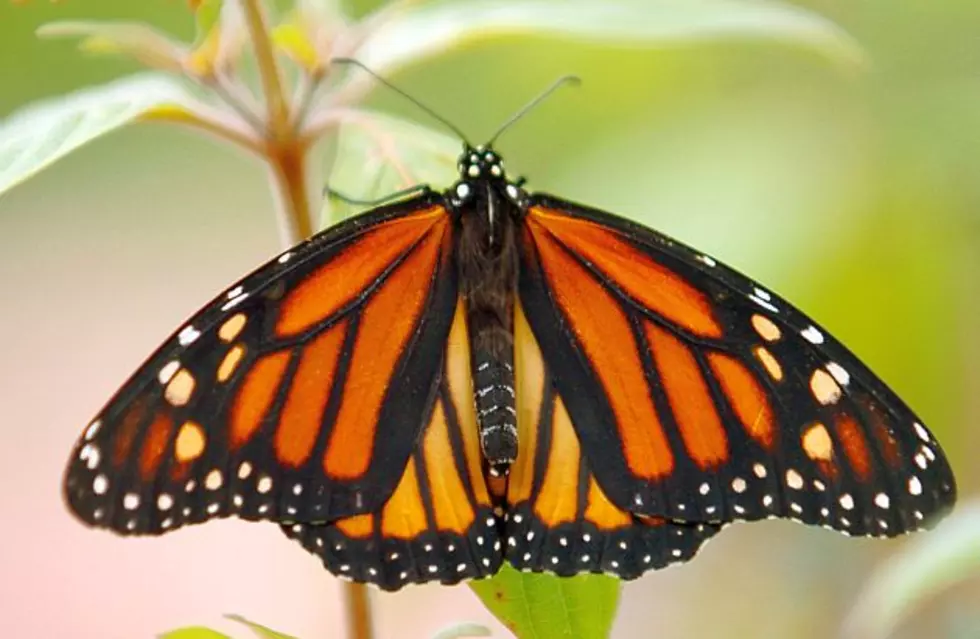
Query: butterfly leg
{"x": 418, "y": 189}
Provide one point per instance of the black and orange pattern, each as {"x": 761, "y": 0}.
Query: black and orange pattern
{"x": 655, "y": 396}
{"x": 725, "y": 402}
{"x": 439, "y": 524}
{"x": 291, "y": 396}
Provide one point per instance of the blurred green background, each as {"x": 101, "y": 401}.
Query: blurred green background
{"x": 853, "y": 193}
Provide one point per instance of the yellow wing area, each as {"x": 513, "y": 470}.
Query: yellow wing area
{"x": 438, "y": 525}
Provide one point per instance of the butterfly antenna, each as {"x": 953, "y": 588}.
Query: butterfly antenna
{"x": 557, "y": 84}
{"x": 432, "y": 113}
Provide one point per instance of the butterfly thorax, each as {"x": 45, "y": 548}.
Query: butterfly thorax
{"x": 487, "y": 264}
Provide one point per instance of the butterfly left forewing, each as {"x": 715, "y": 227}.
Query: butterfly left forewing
{"x": 700, "y": 396}
{"x": 296, "y": 394}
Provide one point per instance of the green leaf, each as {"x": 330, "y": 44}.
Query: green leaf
{"x": 43, "y": 132}
{"x": 463, "y": 631}
{"x": 545, "y": 606}
{"x": 379, "y": 154}
{"x": 200, "y": 632}
{"x": 193, "y": 632}
{"x": 260, "y": 630}
{"x": 927, "y": 566}
{"x": 141, "y": 42}
{"x": 430, "y": 29}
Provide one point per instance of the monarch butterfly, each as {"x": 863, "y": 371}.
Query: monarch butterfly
{"x": 486, "y": 374}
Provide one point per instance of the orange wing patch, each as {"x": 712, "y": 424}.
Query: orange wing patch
{"x": 325, "y": 291}
{"x": 404, "y": 515}
{"x": 605, "y": 333}
{"x": 382, "y": 335}
{"x": 656, "y": 287}
{"x": 155, "y": 444}
{"x": 746, "y": 396}
{"x": 529, "y": 379}
{"x": 357, "y": 527}
{"x": 601, "y": 512}
{"x": 128, "y": 428}
{"x": 557, "y": 501}
{"x": 854, "y": 445}
{"x": 302, "y": 415}
{"x": 689, "y": 397}
{"x": 450, "y": 503}
{"x": 255, "y": 396}
{"x": 883, "y": 435}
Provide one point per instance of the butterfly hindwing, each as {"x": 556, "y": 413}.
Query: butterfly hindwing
{"x": 700, "y": 396}
{"x": 292, "y": 396}
{"x": 559, "y": 518}
{"x": 439, "y": 524}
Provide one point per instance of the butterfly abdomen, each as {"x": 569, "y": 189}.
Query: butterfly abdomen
{"x": 493, "y": 386}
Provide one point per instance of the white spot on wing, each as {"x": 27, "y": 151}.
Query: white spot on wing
{"x": 92, "y": 429}
{"x": 168, "y": 371}
{"x": 233, "y": 302}
{"x": 213, "y": 480}
{"x": 187, "y": 335}
{"x": 921, "y": 432}
{"x": 915, "y": 486}
{"x": 90, "y": 455}
{"x": 264, "y": 485}
{"x": 838, "y": 372}
{"x": 812, "y": 335}
{"x": 764, "y": 303}
{"x": 100, "y": 484}
{"x": 793, "y": 479}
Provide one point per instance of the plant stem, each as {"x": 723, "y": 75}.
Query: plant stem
{"x": 358, "y": 611}
{"x": 265, "y": 58}
{"x": 286, "y": 153}
{"x": 288, "y": 166}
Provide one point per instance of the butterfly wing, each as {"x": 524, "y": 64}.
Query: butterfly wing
{"x": 699, "y": 396}
{"x": 439, "y": 524}
{"x": 296, "y": 394}
{"x": 559, "y": 517}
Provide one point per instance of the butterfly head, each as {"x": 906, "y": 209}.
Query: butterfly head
{"x": 482, "y": 174}
{"x": 480, "y": 163}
